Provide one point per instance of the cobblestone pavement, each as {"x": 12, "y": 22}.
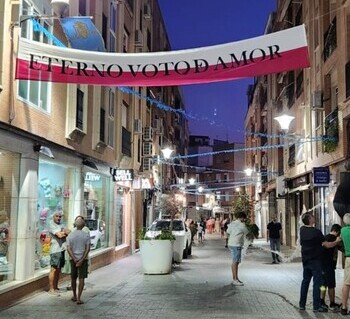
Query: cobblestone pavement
{"x": 200, "y": 287}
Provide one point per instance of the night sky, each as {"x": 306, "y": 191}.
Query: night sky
{"x": 219, "y": 107}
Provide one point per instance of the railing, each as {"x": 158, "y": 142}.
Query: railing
{"x": 331, "y": 126}
{"x": 330, "y": 39}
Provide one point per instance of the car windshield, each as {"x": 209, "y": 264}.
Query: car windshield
{"x": 165, "y": 225}
{"x": 91, "y": 224}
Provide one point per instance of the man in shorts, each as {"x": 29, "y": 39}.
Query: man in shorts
{"x": 58, "y": 237}
{"x": 329, "y": 263}
{"x": 237, "y": 231}
{"x": 78, "y": 247}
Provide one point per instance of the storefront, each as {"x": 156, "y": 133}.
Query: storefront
{"x": 33, "y": 186}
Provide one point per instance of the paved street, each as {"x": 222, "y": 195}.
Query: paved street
{"x": 199, "y": 288}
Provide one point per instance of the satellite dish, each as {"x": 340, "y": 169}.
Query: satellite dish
{"x": 60, "y": 7}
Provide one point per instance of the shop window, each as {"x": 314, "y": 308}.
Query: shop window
{"x": 120, "y": 215}
{"x": 9, "y": 180}
{"x": 96, "y": 197}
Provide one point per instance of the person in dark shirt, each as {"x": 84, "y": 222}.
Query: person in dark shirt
{"x": 312, "y": 242}
{"x": 329, "y": 263}
{"x": 274, "y": 230}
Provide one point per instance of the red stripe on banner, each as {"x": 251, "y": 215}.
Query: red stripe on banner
{"x": 289, "y": 60}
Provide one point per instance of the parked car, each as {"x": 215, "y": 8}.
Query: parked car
{"x": 97, "y": 232}
{"x": 179, "y": 229}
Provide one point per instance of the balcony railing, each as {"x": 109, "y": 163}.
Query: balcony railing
{"x": 330, "y": 39}
{"x": 331, "y": 137}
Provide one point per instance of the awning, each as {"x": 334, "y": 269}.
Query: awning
{"x": 299, "y": 189}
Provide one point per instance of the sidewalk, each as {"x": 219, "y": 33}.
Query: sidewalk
{"x": 198, "y": 288}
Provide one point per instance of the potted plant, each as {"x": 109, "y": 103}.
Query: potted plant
{"x": 168, "y": 207}
{"x": 156, "y": 253}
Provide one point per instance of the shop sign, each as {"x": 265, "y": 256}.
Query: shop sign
{"x": 321, "y": 176}
{"x": 122, "y": 175}
{"x": 92, "y": 177}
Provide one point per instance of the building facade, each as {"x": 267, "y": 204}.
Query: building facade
{"x": 75, "y": 148}
{"x": 317, "y": 140}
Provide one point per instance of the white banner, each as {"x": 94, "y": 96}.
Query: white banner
{"x": 272, "y": 53}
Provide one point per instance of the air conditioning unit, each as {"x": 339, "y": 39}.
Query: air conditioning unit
{"x": 158, "y": 126}
{"x": 147, "y": 133}
{"x": 137, "y": 126}
{"x": 147, "y": 164}
{"x": 147, "y": 11}
{"x": 147, "y": 149}
{"x": 316, "y": 100}
{"x": 138, "y": 38}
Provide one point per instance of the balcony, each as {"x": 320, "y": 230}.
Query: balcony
{"x": 331, "y": 137}
{"x": 330, "y": 40}
{"x": 126, "y": 142}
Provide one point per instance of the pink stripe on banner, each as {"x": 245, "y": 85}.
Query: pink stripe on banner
{"x": 289, "y": 60}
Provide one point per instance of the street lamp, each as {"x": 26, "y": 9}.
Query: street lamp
{"x": 284, "y": 121}
{"x": 167, "y": 152}
{"x": 248, "y": 171}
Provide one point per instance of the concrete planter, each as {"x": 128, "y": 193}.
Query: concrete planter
{"x": 179, "y": 248}
{"x": 156, "y": 256}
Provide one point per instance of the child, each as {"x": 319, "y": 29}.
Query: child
{"x": 200, "y": 233}
{"x": 329, "y": 263}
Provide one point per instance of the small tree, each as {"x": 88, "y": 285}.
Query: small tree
{"x": 242, "y": 204}
{"x": 168, "y": 206}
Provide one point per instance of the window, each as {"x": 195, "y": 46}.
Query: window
{"x": 102, "y": 124}
{"x": 112, "y": 29}
{"x": 82, "y": 7}
{"x": 35, "y": 93}
{"x": 111, "y": 117}
{"x": 125, "y": 41}
{"x": 125, "y": 115}
{"x": 80, "y": 110}
{"x": 76, "y": 120}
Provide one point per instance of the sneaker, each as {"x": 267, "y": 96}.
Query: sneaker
{"x": 301, "y": 307}
{"x": 344, "y": 311}
{"x": 237, "y": 283}
{"x": 53, "y": 293}
{"x": 274, "y": 262}
{"x": 321, "y": 309}
{"x": 334, "y": 306}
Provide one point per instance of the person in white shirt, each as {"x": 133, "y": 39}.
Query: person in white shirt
{"x": 237, "y": 231}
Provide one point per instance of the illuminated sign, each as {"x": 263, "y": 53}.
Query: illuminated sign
{"x": 122, "y": 175}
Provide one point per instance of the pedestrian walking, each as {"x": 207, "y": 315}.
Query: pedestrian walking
{"x": 312, "y": 241}
{"x": 78, "y": 246}
{"x": 274, "y": 230}
{"x": 237, "y": 231}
